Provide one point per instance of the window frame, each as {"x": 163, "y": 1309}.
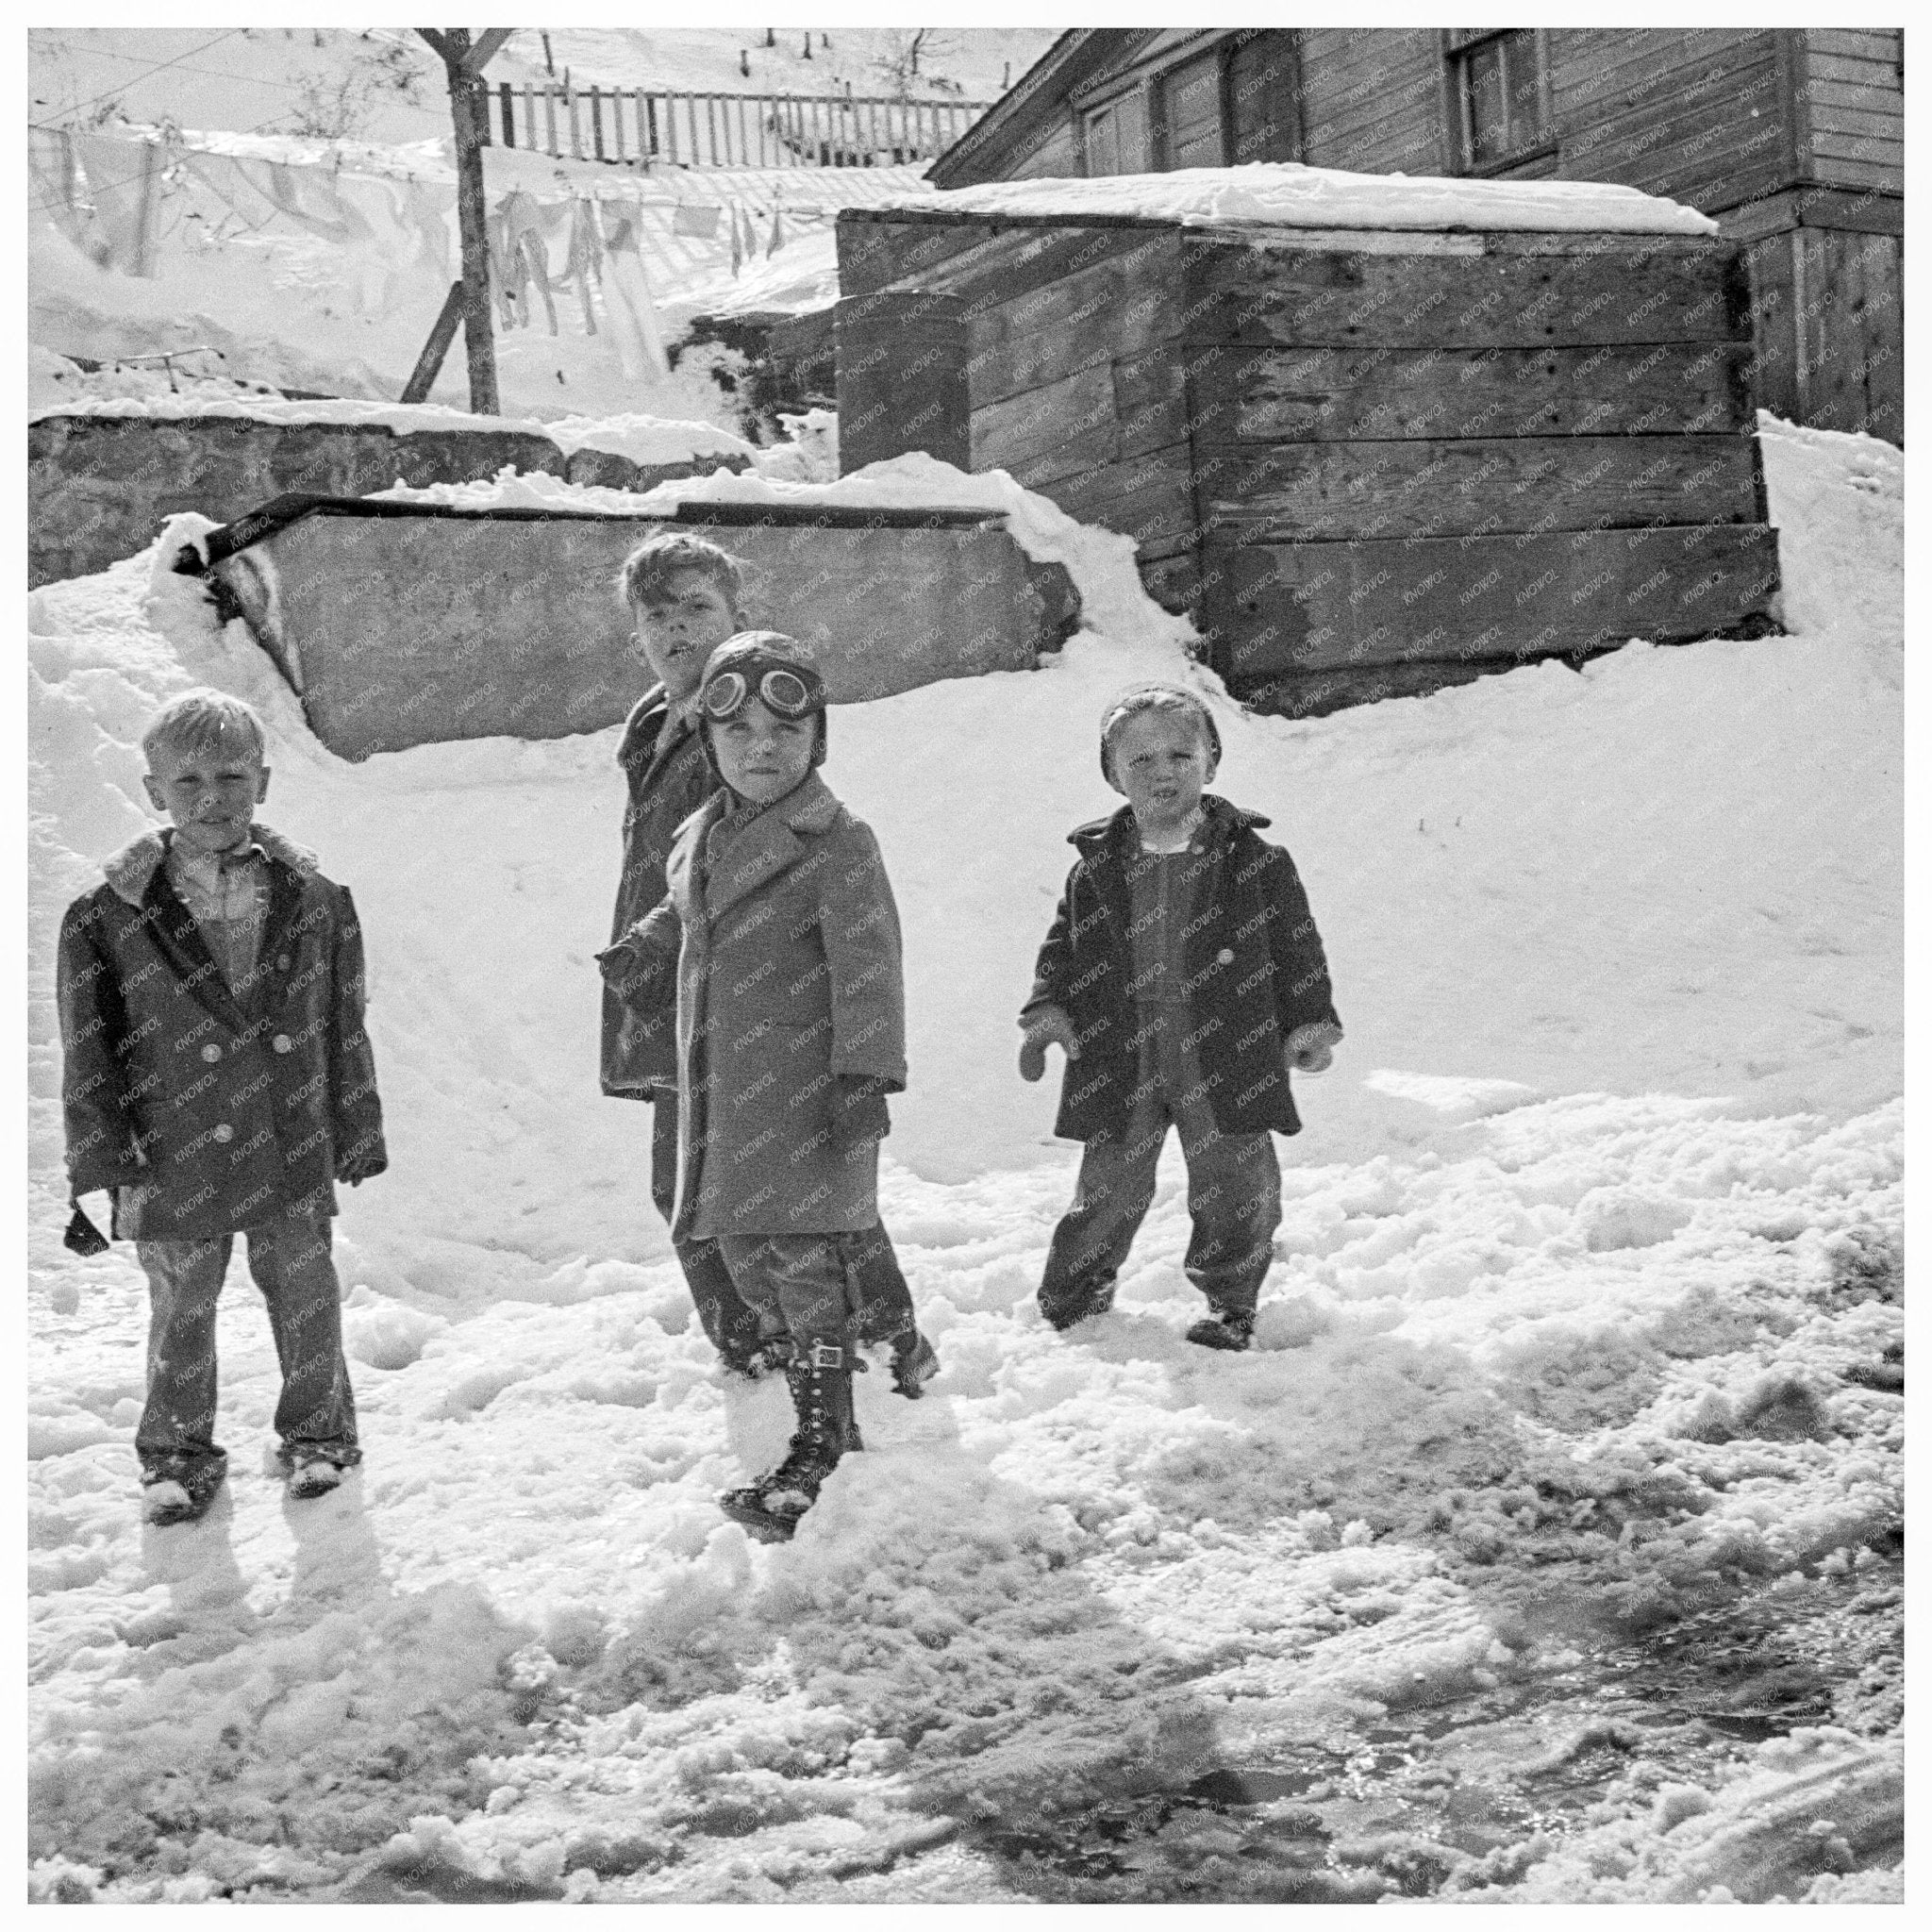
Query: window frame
{"x": 1458, "y": 45}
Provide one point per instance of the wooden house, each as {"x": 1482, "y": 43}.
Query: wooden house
{"x": 1791, "y": 138}
{"x": 1368, "y": 459}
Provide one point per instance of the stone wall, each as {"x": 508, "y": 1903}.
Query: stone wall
{"x": 400, "y": 625}
{"x": 99, "y": 488}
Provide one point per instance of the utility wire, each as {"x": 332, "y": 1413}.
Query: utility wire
{"x": 108, "y": 92}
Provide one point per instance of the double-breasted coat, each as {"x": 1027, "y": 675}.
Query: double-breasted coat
{"x": 1254, "y": 972}
{"x": 790, "y": 980}
{"x": 667, "y": 777}
{"x": 203, "y": 1112}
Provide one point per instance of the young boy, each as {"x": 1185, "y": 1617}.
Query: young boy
{"x": 685, "y": 595}
{"x": 218, "y": 1081}
{"x": 790, "y": 1031}
{"x": 1183, "y": 978}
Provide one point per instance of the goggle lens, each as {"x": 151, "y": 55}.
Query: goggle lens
{"x": 783, "y": 692}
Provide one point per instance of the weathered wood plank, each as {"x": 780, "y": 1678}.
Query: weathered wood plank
{"x": 873, "y": 255}
{"x": 1716, "y": 78}
{"x": 1317, "y": 693}
{"x": 901, "y": 363}
{"x": 1348, "y": 396}
{"x": 1240, "y": 290}
{"x": 1173, "y": 580}
{"x": 1694, "y": 168}
{"x": 1311, "y": 607}
{"x": 1885, "y": 338}
{"x": 1851, "y": 110}
{"x": 1870, "y": 211}
{"x": 1869, "y": 43}
{"x": 1484, "y": 485}
{"x": 1122, "y": 308}
{"x": 1149, "y": 498}
{"x": 1860, "y": 70}
{"x": 1007, "y": 265}
{"x": 1102, "y": 414}
{"x": 1774, "y": 310}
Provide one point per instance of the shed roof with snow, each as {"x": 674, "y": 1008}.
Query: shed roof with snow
{"x": 1375, "y": 433}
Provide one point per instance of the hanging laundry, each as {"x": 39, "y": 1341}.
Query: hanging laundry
{"x": 777, "y": 233}
{"x": 123, "y": 182}
{"x": 55, "y": 190}
{"x": 628, "y": 305}
{"x": 586, "y": 261}
{"x": 751, "y": 234}
{"x": 697, "y": 218}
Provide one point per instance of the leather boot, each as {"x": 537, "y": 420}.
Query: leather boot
{"x": 821, "y": 1385}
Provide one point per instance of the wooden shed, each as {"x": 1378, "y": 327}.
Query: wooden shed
{"x": 1367, "y": 461}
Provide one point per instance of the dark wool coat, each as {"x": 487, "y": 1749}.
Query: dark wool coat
{"x": 205, "y": 1113}
{"x": 1255, "y": 972}
{"x": 668, "y": 777}
{"x": 789, "y": 977}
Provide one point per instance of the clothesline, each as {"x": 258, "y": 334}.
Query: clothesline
{"x": 135, "y": 205}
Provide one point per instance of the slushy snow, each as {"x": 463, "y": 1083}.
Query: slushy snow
{"x": 1590, "y": 1243}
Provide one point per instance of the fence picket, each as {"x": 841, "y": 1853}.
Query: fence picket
{"x": 822, "y": 130}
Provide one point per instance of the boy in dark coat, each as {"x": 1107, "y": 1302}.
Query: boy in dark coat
{"x": 1182, "y": 978}
{"x": 790, "y": 1031}
{"x": 685, "y": 595}
{"x": 218, "y": 1080}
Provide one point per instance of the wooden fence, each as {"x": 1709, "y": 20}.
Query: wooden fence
{"x": 642, "y": 126}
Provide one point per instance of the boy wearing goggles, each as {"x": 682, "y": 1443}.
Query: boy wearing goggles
{"x": 685, "y": 595}
{"x": 791, "y": 1032}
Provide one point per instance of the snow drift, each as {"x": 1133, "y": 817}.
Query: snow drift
{"x": 1592, "y": 1245}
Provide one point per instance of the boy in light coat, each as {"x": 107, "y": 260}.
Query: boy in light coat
{"x": 791, "y": 1032}
{"x": 685, "y": 597}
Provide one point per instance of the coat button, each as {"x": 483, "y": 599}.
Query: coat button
{"x": 1225, "y": 956}
{"x": 282, "y": 1043}
{"x": 281, "y": 962}
{"x": 210, "y": 1052}
{"x": 225, "y": 1132}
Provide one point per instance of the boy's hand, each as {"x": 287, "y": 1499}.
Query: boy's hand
{"x": 858, "y": 1113}
{"x": 1043, "y": 1027}
{"x": 626, "y": 970}
{"x": 1310, "y": 1049}
{"x": 355, "y": 1169}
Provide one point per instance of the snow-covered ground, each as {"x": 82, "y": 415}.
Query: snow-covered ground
{"x": 1544, "y": 1549}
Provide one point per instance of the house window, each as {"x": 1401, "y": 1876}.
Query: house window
{"x": 1499, "y": 93}
{"x": 1263, "y": 94}
{"x": 1116, "y": 136}
{"x": 1190, "y": 114}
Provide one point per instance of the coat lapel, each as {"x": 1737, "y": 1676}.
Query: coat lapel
{"x": 279, "y": 937}
{"x": 768, "y": 844}
{"x": 178, "y": 940}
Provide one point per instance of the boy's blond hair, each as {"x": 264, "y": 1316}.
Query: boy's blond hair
{"x": 651, "y": 566}
{"x": 203, "y": 721}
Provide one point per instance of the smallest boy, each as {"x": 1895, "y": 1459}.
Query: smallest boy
{"x": 1183, "y": 978}
{"x": 218, "y": 1081}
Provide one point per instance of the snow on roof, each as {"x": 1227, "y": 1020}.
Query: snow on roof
{"x": 643, "y": 438}
{"x": 1290, "y": 195}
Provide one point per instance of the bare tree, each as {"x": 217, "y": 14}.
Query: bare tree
{"x": 904, "y": 49}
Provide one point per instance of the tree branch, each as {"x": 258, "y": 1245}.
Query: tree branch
{"x": 434, "y": 36}
{"x": 488, "y": 45}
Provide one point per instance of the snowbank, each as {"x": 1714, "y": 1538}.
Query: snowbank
{"x": 1288, "y": 194}
{"x": 1589, "y": 1264}
{"x": 643, "y": 438}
